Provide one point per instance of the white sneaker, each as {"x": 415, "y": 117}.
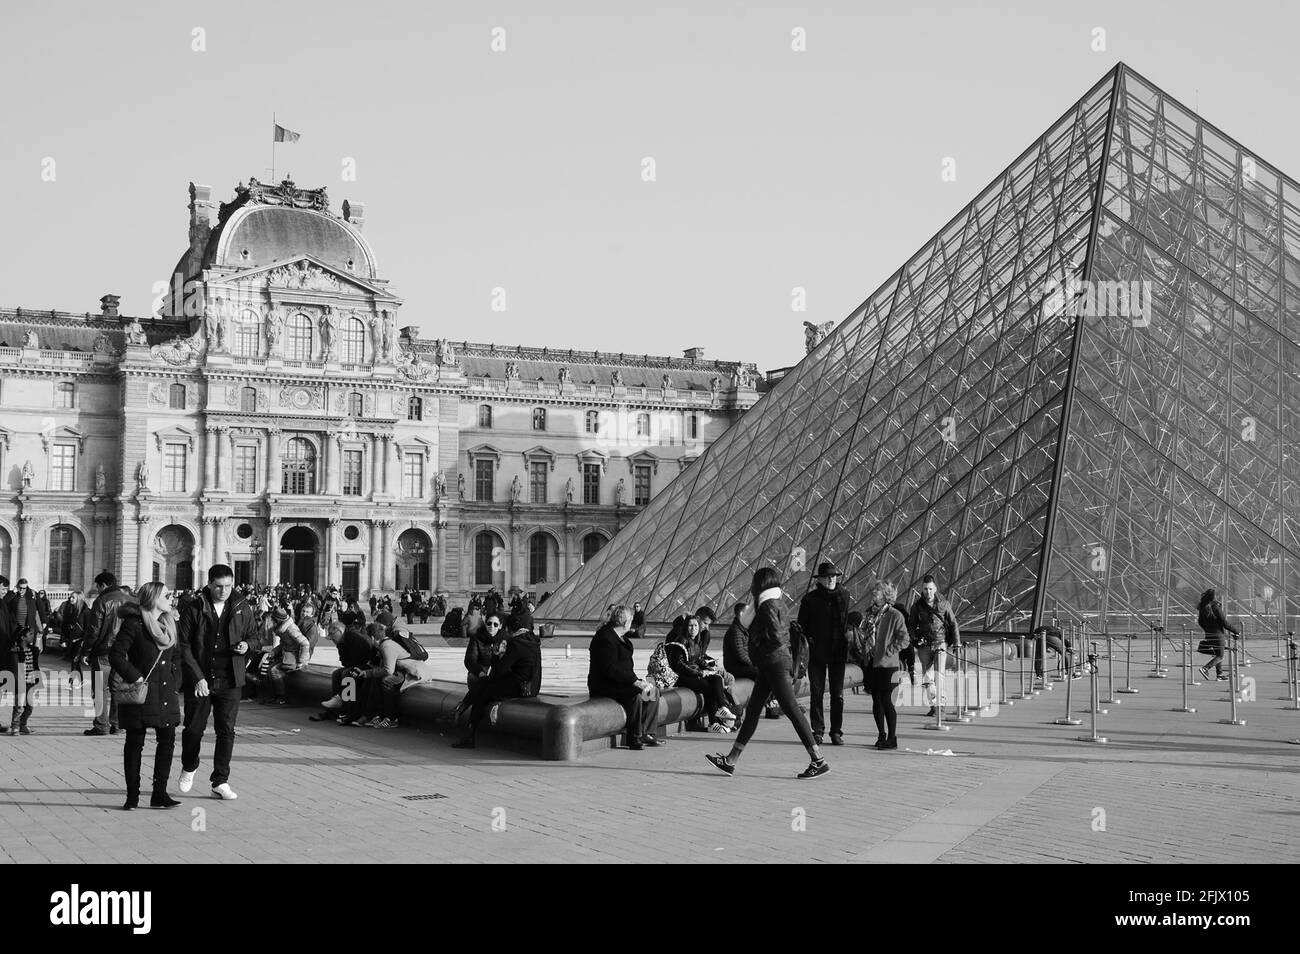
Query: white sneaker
{"x": 187, "y": 781}
{"x": 224, "y": 792}
{"x": 719, "y": 729}
{"x": 333, "y": 702}
{"x": 725, "y": 714}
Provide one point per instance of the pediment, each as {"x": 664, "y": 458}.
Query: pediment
{"x": 64, "y": 432}
{"x": 304, "y": 273}
{"x": 174, "y": 435}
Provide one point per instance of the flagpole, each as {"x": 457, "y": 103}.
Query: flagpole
{"x": 273, "y": 147}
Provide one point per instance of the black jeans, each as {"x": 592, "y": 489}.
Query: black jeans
{"x": 223, "y": 704}
{"x": 162, "y": 758}
{"x": 642, "y": 714}
{"x": 818, "y": 670}
{"x": 881, "y": 683}
{"x": 775, "y": 681}
{"x": 485, "y": 692}
{"x": 712, "y": 688}
{"x": 382, "y": 695}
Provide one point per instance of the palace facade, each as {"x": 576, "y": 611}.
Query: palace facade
{"x": 276, "y": 415}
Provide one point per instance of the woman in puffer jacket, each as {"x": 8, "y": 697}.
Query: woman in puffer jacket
{"x": 769, "y": 649}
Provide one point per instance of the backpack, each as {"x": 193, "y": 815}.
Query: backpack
{"x": 451, "y": 624}
{"x": 658, "y": 670}
{"x": 418, "y": 652}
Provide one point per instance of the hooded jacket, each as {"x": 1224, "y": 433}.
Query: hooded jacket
{"x": 520, "y": 664}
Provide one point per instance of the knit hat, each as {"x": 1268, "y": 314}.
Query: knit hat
{"x": 279, "y": 614}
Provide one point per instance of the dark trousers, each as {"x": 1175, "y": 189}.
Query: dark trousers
{"x": 223, "y": 704}
{"x": 774, "y": 681}
{"x": 642, "y": 714}
{"x": 162, "y": 758}
{"x": 106, "y": 710}
{"x": 881, "y": 683}
{"x": 818, "y": 670}
{"x": 382, "y": 695}
{"x": 487, "y": 691}
{"x": 712, "y": 688}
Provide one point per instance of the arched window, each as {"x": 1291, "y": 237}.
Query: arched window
{"x": 485, "y": 415}
{"x": 592, "y": 425}
{"x": 61, "y": 541}
{"x": 300, "y": 339}
{"x": 357, "y": 404}
{"x": 248, "y": 400}
{"x": 298, "y": 467}
{"x": 415, "y": 409}
{"x": 591, "y": 545}
{"x": 176, "y": 397}
{"x": 484, "y": 546}
{"x": 353, "y": 344}
{"x": 248, "y": 335}
{"x": 539, "y": 418}
{"x": 539, "y": 553}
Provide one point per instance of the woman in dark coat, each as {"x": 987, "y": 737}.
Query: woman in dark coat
{"x": 694, "y": 671}
{"x": 146, "y": 647}
{"x": 1209, "y": 614}
{"x": 769, "y": 649}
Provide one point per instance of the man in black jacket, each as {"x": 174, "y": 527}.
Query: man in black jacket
{"x": 823, "y": 616}
{"x": 8, "y": 643}
{"x": 612, "y": 676}
{"x": 213, "y": 638}
{"x": 96, "y": 641}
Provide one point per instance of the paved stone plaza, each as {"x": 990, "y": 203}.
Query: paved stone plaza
{"x": 1172, "y": 786}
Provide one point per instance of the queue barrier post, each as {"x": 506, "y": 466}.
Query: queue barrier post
{"x": 1095, "y": 685}
{"x": 1187, "y": 676}
{"x": 1110, "y": 699}
{"x": 1232, "y": 687}
{"x": 1023, "y": 694}
{"x": 1003, "y": 698}
{"x": 1157, "y": 633}
{"x": 1128, "y": 688}
{"x": 1069, "y": 694}
{"x": 961, "y": 689}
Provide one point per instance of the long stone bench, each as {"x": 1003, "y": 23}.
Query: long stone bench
{"x": 559, "y": 728}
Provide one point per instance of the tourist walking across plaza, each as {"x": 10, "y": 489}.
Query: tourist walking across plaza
{"x": 769, "y": 648}
{"x": 823, "y": 616}
{"x": 1217, "y": 628}
{"x": 214, "y": 633}
{"x": 934, "y": 628}
{"x": 96, "y": 643}
{"x": 145, "y": 656}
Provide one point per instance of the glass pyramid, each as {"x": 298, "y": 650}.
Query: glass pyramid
{"x": 1078, "y": 400}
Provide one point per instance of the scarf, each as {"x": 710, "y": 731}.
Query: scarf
{"x": 162, "y": 630}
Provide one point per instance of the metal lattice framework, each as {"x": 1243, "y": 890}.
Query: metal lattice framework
{"x": 1075, "y": 400}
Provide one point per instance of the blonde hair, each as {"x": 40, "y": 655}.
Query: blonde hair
{"x": 888, "y": 591}
{"x": 150, "y": 593}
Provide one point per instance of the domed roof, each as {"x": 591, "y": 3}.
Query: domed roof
{"x": 256, "y": 235}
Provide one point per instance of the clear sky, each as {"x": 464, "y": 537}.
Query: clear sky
{"x": 523, "y": 169}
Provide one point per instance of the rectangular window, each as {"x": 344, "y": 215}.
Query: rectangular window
{"x": 352, "y": 473}
{"x": 641, "y": 490}
{"x": 174, "y": 468}
{"x": 413, "y": 476}
{"x": 591, "y": 483}
{"x": 483, "y": 479}
{"x": 245, "y": 469}
{"x": 63, "y": 467}
{"x": 176, "y": 397}
{"x": 537, "y": 481}
{"x": 65, "y": 396}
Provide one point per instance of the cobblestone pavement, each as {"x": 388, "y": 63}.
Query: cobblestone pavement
{"x": 1169, "y": 786}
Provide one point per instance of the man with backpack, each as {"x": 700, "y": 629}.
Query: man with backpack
{"x": 384, "y": 682}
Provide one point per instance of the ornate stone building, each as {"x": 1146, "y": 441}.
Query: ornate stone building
{"x": 276, "y": 416}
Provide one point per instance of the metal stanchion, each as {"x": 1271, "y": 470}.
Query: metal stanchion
{"x": 1277, "y": 642}
{"x": 961, "y": 689}
{"x": 979, "y": 705}
{"x": 1110, "y": 699}
{"x": 1003, "y": 698}
{"x": 1295, "y": 675}
{"x": 1232, "y": 687}
{"x": 940, "y": 664}
{"x": 1040, "y": 652}
{"x": 1187, "y": 675}
{"x": 1096, "y": 710}
{"x": 1157, "y": 635}
{"x": 1069, "y": 693}
{"x": 1023, "y": 694}
{"x": 1128, "y": 666}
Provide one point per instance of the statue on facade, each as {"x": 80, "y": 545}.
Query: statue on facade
{"x": 135, "y": 333}
{"x": 274, "y": 332}
{"x": 813, "y": 334}
{"x": 212, "y": 329}
{"x": 715, "y": 384}
{"x": 516, "y": 488}
{"x": 28, "y": 475}
{"x": 388, "y": 327}
{"x": 329, "y": 329}
{"x": 440, "y": 485}
{"x": 443, "y": 352}
{"x": 512, "y": 369}
{"x": 568, "y": 490}
{"x": 616, "y": 379}
{"x": 102, "y": 343}
{"x": 564, "y": 376}
{"x": 376, "y": 338}
{"x": 101, "y": 480}
{"x": 142, "y": 476}
{"x": 666, "y": 382}
{"x": 30, "y": 340}
{"x": 618, "y": 492}
{"x": 460, "y": 486}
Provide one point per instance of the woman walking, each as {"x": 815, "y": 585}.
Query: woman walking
{"x": 145, "y": 652}
{"x": 769, "y": 649}
{"x": 1209, "y": 614}
{"x": 886, "y": 638}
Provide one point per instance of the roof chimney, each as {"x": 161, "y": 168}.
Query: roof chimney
{"x": 355, "y": 213}
{"x": 108, "y": 305}
{"x": 695, "y": 354}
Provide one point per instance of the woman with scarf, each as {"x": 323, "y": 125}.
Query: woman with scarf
{"x": 145, "y": 651}
{"x": 884, "y": 639}
{"x": 769, "y": 649}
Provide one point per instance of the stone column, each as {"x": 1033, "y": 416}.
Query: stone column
{"x": 566, "y": 551}
{"x": 374, "y": 560}
{"x": 326, "y": 475}
{"x": 219, "y": 439}
{"x": 272, "y": 550}
{"x": 336, "y": 475}
{"x": 143, "y": 569}
{"x": 21, "y": 561}
{"x": 331, "y": 527}
{"x": 385, "y": 554}
{"x": 210, "y": 439}
{"x": 440, "y": 553}
{"x": 218, "y": 531}
{"x": 512, "y": 544}
{"x": 273, "y": 462}
{"x": 376, "y": 486}
{"x": 388, "y": 466}
{"x": 96, "y": 547}
{"x": 228, "y": 479}
{"x": 202, "y": 558}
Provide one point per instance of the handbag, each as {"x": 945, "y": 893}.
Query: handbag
{"x": 132, "y": 693}
{"x": 1208, "y": 647}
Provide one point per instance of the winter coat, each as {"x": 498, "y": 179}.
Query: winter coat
{"x": 479, "y": 654}
{"x": 199, "y": 634}
{"x": 131, "y": 655}
{"x": 35, "y": 617}
{"x": 521, "y": 663}
{"x": 1216, "y": 625}
{"x": 293, "y": 650}
{"x": 933, "y": 626}
{"x": 769, "y": 633}
{"x": 824, "y": 618}
{"x": 888, "y": 639}
{"x": 735, "y": 652}
{"x": 611, "y": 673}
{"x": 103, "y": 620}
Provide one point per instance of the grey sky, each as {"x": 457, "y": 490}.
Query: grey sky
{"x": 522, "y": 169}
